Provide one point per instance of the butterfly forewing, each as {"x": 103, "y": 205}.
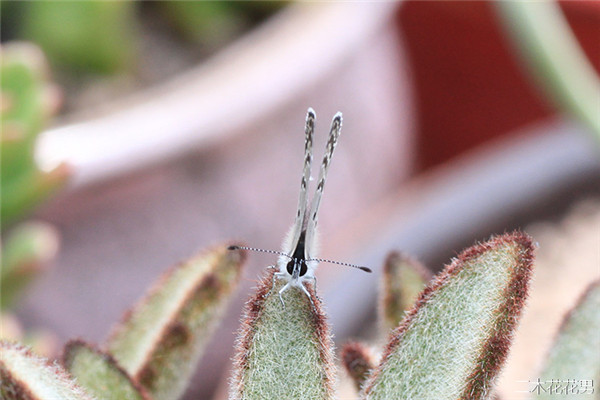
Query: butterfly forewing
{"x": 299, "y": 222}
{"x": 334, "y": 134}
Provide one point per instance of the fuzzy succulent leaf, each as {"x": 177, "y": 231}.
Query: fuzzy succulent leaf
{"x": 283, "y": 352}
{"x": 402, "y": 281}
{"x": 452, "y": 344}
{"x": 162, "y": 337}
{"x": 26, "y": 376}
{"x": 574, "y": 354}
{"x": 99, "y": 373}
{"x": 26, "y": 251}
{"x": 358, "y": 361}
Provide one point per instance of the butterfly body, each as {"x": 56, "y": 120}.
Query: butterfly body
{"x": 297, "y": 268}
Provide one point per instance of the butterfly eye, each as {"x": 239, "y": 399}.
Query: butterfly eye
{"x": 290, "y": 267}
{"x": 303, "y": 268}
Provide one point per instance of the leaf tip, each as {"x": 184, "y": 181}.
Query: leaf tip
{"x": 358, "y": 361}
{"x": 465, "y": 317}
{"x": 25, "y": 375}
{"x": 402, "y": 281}
{"x": 265, "y": 362}
{"x": 99, "y": 372}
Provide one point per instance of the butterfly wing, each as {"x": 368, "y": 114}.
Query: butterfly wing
{"x": 294, "y": 235}
{"x": 334, "y": 134}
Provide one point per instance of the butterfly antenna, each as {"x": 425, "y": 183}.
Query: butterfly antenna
{"x": 342, "y": 263}
{"x": 280, "y": 253}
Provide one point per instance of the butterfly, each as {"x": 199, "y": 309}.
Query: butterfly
{"x": 297, "y": 259}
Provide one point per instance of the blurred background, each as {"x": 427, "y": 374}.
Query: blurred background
{"x": 135, "y": 134}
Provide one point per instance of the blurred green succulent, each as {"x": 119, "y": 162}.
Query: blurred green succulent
{"x": 104, "y": 37}
{"x": 28, "y": 99}
{"x": 89, "y": 36}
{"x": 212, "y": 23}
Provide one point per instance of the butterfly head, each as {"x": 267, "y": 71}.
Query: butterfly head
{"x": 296, "y": 264}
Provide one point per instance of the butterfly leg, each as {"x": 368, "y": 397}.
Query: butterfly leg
{"x": 276, "y": 275}
{"x": 308, "y": 295}
{"x": 314, "y": 279}
{"x": 283, "y": 289}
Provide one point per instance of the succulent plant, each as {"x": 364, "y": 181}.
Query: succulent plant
{"x": 283, "y": 351}
{"x": 25, "y": 375}
{"x": 574, "y": 354}
{"x": 450, "y": 344}
{"x": 403, "y": 279}
{"x": 28, "y": 99}
{"x": 107, "y": 37}
{"x": 460, "y": 327}
{"x": 151, "y": 352}
{"x": 26, "y": 251}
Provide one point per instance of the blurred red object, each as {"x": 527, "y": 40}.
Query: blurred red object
{"x": 470, "y": 86}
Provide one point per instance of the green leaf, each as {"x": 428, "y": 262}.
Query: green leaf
{"x": 453, "y": 342}
{"x": 162, "y": 337}
{"x": 99, "y": 373}
{"x": 24, "y": 375}
{"x": 574, "y": 354}
{"x": 283, "y": 352}
{"x": 402, "y": 281}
